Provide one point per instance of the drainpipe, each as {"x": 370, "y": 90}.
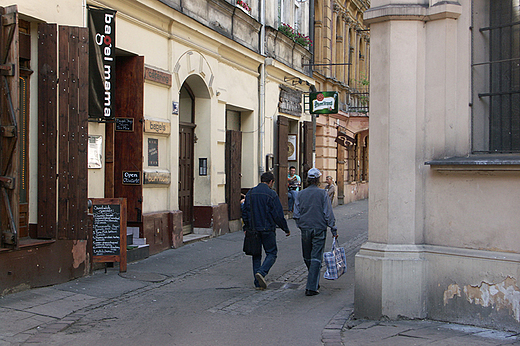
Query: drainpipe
{"x": 261, "y": 93}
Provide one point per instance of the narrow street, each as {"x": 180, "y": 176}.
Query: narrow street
{"x": 199, "y": 294}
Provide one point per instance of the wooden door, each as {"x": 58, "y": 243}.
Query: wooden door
{"x": 186, "y": 134}
{"x": 281, "y": 174}
{"x": 233, "y": 173}
{"x": 127, "y": 155}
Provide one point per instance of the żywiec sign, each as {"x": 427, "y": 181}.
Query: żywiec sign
{"x": 102, "y": 72}
{"x": 324, "y": 102}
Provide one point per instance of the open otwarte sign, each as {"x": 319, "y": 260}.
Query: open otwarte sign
{"x": 323, "y": 102}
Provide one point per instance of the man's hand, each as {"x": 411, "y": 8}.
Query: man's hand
{"x": 287, "y": 233}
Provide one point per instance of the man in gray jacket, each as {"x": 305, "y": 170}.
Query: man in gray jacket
{"x": 313, "y": 214}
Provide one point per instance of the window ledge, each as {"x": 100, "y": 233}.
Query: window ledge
{"x": 27, "y": 243}
{"x": 483, "y": 162}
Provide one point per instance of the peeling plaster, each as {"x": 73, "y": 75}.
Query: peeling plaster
{"x": 504, "y": 295}
{"x": 79, "y": 252}
{"x": 452, "y": 291}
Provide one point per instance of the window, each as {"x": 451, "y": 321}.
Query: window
{"x": 496, "y": 76}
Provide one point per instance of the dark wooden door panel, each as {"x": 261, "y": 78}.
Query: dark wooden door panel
{"x": 186, "y": 133}
{"x": 233, "y": 173}
{"x": 128, "y": 146}
{"x": 281, "y": 176}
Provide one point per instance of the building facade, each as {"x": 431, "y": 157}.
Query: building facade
{"x": 341, "y": 55}
{"x": 194, "y": 108}
{"x": 443, "y": 226}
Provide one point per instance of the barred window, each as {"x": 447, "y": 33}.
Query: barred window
{"x": 496, "y": 76}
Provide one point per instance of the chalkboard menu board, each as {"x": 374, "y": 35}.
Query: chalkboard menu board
{"x": 125, "y": 124}
{"x": 107, "y": 219}
{"x": 109, "y": 231}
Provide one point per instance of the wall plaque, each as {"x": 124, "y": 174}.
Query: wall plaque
{"x": 159, "y": 127}
{"x": 125, "y": 124}
{"x": 158, "y": 178}
{"x": 153, "y": 152}
{"x": 157, "y": 76}
{"x": 290, "y": 101}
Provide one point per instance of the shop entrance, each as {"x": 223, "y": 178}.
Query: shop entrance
{"x": 124, "y": 146}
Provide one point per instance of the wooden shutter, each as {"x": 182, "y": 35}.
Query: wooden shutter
{"x": 73, "y": 133}
{"x": 9, "y": 122}
{"x": 47, "y": 129}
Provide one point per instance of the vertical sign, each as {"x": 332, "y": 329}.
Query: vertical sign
{"x": 102, "y": 46}
{"x": 153, "y": 152}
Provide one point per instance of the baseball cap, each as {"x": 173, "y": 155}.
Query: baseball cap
{"x": 314, "y": 173}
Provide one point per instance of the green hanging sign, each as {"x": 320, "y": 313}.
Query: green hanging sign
{"x": 324, "y": 102}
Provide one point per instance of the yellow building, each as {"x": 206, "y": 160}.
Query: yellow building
{"x": 192, "y": 110}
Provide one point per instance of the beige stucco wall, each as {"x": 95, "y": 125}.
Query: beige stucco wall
{"x": 447, "y": 236}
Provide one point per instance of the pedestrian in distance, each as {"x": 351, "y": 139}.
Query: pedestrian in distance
{"x": 294, "y": 183}
{"x": 262, "y": 212}
{"x": 313, "y": 214}
{"x": 331, "y": 190}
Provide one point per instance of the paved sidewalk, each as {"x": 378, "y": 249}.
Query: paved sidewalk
{"x": 79, "y": 312}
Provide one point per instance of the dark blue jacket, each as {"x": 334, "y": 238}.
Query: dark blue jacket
{"x": 266, "y": 208}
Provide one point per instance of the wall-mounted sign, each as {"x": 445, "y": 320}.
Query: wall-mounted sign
{"x": 324, "y": 102}
{"x": 344, "y": 139}
{"x": 290, "y": 101}
{"x": 157, "y": 76}
{"x": 158, "y": 178}
{"x": 175, "y": 107}
{"x": 102, "y": 68}
{"x": 153, "y": 152}
{"x": 160, "y": 127}
{"x": 131, "y": 178}
{"x": 125, "y": 124}
{"x": 203, "y": 166}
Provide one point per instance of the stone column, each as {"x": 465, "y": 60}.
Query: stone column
{"x": 390, "y": 267}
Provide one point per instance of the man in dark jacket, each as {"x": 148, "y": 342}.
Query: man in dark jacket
{"x": 313, "y": 214}
{"x": 262, "y": 211}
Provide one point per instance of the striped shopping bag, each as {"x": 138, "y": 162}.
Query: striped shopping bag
{"x": 336, "y": 262}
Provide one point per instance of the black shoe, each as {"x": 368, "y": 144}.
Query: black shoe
{"x": 311, "y": 293}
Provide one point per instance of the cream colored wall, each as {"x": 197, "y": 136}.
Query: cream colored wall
{"x": 475, "y": 210}
{"x": 64, "y": 12}
{"x": 157, "y": 100}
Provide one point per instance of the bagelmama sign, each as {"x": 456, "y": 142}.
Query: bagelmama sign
{"x": 102, "y": 46}
{"x": 323, "y": 102}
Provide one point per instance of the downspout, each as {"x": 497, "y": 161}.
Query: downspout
{"x": 312, "y": 87}
{"x": 261, "y": 93}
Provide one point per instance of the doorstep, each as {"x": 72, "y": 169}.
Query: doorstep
{"x": 191, "y": 238}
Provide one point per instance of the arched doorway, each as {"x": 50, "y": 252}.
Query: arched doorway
{"x": 193, "y": 142}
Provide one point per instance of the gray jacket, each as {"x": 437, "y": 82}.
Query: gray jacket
{"x": 312, "y": 210}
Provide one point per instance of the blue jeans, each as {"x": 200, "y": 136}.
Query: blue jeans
{"x": 269, "y": 244}
{"x": 313, "y": 242}
{"x": 291, "y": 194}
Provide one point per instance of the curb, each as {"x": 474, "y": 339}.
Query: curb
{"x": 331, "y": 334}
